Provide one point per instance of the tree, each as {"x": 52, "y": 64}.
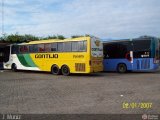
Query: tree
{"x": 76, "y": 36}
{"x": 28, "y": 37}
{"x": 51, "y": 37}
{"x": 16, "y": 38}
{"x": 3, "y": 38}
{"x": 61, "y": 37}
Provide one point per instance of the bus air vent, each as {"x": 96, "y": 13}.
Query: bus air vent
{"x": 145, "y": 64}
{"x": 80, "y": 67}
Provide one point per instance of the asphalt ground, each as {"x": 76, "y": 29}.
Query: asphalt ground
{"x": 26, "y": 92}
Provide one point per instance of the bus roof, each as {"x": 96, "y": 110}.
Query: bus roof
{"x": 55, "y": 40}
{"x": 124, "y": 40}
{"x": 121, "y": 40}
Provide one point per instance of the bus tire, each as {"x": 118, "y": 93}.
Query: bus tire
{"x": 65, "y": 70}
{"x": 121, "y": 68}
{"x": 55, "y": 70}
{"x": 14, "y": 67}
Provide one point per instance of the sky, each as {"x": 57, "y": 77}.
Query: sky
{"x": 101, "y": 18}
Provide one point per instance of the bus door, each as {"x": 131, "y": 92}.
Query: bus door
{"x": 6, "y": 54}
{"x": 129, "y": 56}
{"x": 6, "y": 57}
{"x": 1, "y": 55}
{"x": 1, "y": 58}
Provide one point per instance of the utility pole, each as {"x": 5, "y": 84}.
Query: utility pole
{"x": 2, "y": 17}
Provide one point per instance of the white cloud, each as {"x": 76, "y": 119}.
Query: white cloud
{"x": 119, "y": 18}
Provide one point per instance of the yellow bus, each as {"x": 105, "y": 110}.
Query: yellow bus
{"x": 74, "y": 55}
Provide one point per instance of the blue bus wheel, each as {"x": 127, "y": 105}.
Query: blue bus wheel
{"x": 121, "y": 68}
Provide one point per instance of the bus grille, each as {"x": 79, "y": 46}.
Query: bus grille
{"x": 143, "y": 64}
{"x": 80, "y": 67}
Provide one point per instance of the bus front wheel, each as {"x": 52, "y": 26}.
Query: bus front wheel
{"x": 65, "y": 70}
{"x": 55, "y": 70}
{"x": 121, "y": 68}
{"x": 14, "y": 67}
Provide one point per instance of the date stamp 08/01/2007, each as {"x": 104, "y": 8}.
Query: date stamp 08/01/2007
{"x": 132, "y": 105}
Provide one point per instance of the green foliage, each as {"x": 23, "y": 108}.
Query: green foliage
{"x": 52, "y": 37}
{"x": 87, "y": 35}
{"x": 15, "y": 38}
{"x": 76, "y": 36}
{"x": 61, "y": 37}
{"x": 3, "y": 38}
{"x": 28, "y": 37}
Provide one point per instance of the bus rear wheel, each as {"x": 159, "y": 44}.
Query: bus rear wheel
{"x": 65, "y": 70}
{"x": 14, "y": 67}
{"x": 55, "y": 70}
{"x": 121, "y": 68}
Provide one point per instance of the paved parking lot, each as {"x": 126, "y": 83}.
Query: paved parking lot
{"x": 27, "y": 92}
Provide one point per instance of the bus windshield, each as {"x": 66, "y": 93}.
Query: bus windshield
{"x": 96, "y": 47}
{"x": 142, "y": 48}
{"x": 142, "y": 45}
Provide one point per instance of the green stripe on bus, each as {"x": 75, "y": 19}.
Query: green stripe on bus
{"x": 22, "y": 60}
{"x": 29, "y": 60}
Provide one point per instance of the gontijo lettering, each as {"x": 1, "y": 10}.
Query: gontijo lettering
{"x": 46, "y": 56}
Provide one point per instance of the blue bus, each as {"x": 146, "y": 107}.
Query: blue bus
{"x": 139, "y": 54}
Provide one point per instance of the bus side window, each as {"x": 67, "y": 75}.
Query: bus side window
{"x": 85, "y": 45}
{"x": 33, "y": 48}
{"x": 15, "y": 49}
{"x": 26, "y": 49}
{"x": 110, "y": 50}
{"x": 30, "y": 48}
{"x": 47, "y": 47}
{"x": 40, "y": 47}
{"x": 60, "y": 46}
{"x": 81, "y": 46}
{"x": 54, "y": 47}
{"x": 67, "y": 47}
{"x": 74, "y": 46}
{"x": 23, "y": 49}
